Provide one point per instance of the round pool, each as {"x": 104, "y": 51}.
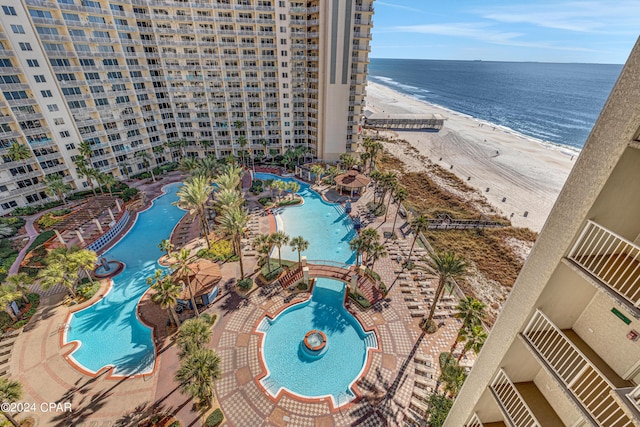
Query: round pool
{"x": 315, "y": 349}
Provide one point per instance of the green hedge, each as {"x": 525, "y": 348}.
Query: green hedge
{"x": 42, "y": 237}
{"x": 215, "y": 419}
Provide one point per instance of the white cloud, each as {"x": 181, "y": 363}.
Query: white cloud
{"x": 576, "y": 16}
{"x": 397, "y": 6}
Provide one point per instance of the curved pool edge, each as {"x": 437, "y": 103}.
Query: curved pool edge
{"x": 282, "y": 391}
{"x": 76, "y": 344}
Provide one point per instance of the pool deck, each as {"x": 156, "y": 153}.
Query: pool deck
{"x": 388, "y": 386}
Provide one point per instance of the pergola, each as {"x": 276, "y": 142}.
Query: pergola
{"x": 89, "y": 221}
{"x": 352, "y": 181}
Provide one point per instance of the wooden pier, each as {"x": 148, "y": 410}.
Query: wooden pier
{"x": 434, "y": 121}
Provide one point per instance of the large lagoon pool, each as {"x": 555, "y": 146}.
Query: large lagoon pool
{"x": 325, "y": 225}
{"x": 109, "y": 332}
{"x": 330, "y": 374}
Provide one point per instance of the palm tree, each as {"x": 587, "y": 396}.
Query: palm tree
{"x": 20, "y": 282}
{"x": 475, "y": 339}
{"x": 388, "y": 181}
{"x": 166, "y": 293}
{"x": 227, "y": 199}
{"x": 369, "y": 237}
{"x": 64, "y": 265}
{"x": 376, "y": 176}
{"x": 471, "y": 312}
{"x": 9, "y": 294}
{"x": 166, "y": 246}
{"x": 292, "y": 187}
{"x": 85, "y": 170}
{"x": 393, "y": 187}
{"x": 56, "y": 187}
{"x": 108, "y": 181}
{"x": 206, "y": 144}
{"x": 242, "y": 142}
{"x": 279, "y": 238}
{"x": 189, "y": 164}
{"x": 447, "y": 266}
{"x": 357, "y": 244}
{"x": 20, "y": 153}
{"x": 299, "y": 244}
{"x": 198, "y": 370}
{"x": 10, "y": 391}
{"x": 85, "y": 150}
{"x": 452, "y": 376}
{"x": 376, "y": 252}
{"x": 317, "y": 171}
{"x": 263, "y": 245}
{"x": 347, "y": 161}
{"x": 193, "y": 195}
{"x": 418, "y": 225}
{"x": 234, "y": 223}
{"x": 144, "y": 156}
{"x": 193, "y": 335}
{"x": 401, "y": 195}
{"x": 181, "y": 267}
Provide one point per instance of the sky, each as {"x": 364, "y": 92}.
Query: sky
{"x": 596, "y": 31}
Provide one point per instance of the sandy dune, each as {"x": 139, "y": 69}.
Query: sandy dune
{"x": 525, "y": 173}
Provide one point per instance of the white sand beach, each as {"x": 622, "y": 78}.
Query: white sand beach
{"x": 526, "y": 174}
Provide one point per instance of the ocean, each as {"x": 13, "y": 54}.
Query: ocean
{"x": 552, "y": 102}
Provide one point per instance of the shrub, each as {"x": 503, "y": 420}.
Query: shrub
{"x": 302, "y": 286}
{"x": 256, "y": 187}
{"x": 219, "y": 251}
{"x": 245, "y": 284}
{"x": 42, "y": 237}
{"x": 24, "y": 210}
{"x": 289, "y": 202}
{"x": 215, "y": 419}
{"x": 378, "y": 209}
{"x": 264, "y": 201}
{"x": 60, "y": 212}
{"x": 129, "y": 194}
{"x": 88, "y": 290}
{"x": 48, "y": 220}
{"x": 273, "y": 275}
{"x": 175, "y": 424}
{"x": 364, "y": 303}
{"x": 19, "y": 324}
{"x": 5, "y": 320}
{"x": 33, "y": 298}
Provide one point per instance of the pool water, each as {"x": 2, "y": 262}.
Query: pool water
{"x": 333, "y": 373}
{"x": 109, "y": 331}
{"x": 326, "y": 226}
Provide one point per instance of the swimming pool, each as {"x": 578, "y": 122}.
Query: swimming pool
{"x": 109, "y": 332}
{"x": 325, "y": 225}
{"x": 330, "y": 374}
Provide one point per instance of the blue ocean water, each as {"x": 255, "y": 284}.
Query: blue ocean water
{"x": 558, "y": 103}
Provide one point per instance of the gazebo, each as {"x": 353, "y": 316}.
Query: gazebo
{"x": 352, "y": 182}
{"x": 204, "y": 278}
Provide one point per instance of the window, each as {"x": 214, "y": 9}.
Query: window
{"x": 65, "y": 134}
{"x": 58, "y": 121}
{"x": 17, "y": 29}
{"x": 40, "y": 78}
{"x": 70, "y": 17}
{"x": 39, "y": 13}
{"x": 5, "y": 62}
{"x": 52, "y": 107}
{"x": 70, "y": 146}
{"x": 25, "y": 46}
{"x": 76, "y": 33}
{"x": 71, "y": 91}
{"x": 46, "y": 93}
{"x": 92, "y": 76}
{"x": 47, "y": 31}
{"x": 60, "y": 62}
{"x": 65, "y": 77}
{"x": 102, "y": 101}
{"x": 18, "y": 94}
{"x": 9, "y": 10}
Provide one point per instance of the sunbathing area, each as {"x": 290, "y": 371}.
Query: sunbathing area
{"x": 387, "y": 297}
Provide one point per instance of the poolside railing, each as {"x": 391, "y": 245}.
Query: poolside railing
{"x": 329, "y": 263}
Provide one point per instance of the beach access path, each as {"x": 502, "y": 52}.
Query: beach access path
{"x": 522, "y": 175}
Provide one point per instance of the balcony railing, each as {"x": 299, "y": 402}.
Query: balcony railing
{"x": 576, "y": 371}
{"x": 474, "y": 421}
{"x": 614, "y": 260}
{"x": 512, "y": 402}
{"x": 634, "y": 397}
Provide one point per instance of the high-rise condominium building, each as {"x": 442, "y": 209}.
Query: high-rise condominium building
{"x": 145, "y": 82}
{"x": 565, "y": 350}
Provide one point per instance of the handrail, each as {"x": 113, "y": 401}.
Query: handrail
{"x": 599, "y": 251}
{"x": 512, "y": 401}
{"x": 329, "y": 263}
{"x": 586, "y": 382}
{"x": 474, "y": 421}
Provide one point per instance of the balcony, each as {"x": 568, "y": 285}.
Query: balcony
{"x": 581, "y": 371}
{"x": 522, "y": 403}
{"x": 610, "y": 258}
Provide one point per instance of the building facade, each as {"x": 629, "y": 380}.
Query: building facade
{"x": 145, "y": 82}
{"x": 565, "y": 350}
